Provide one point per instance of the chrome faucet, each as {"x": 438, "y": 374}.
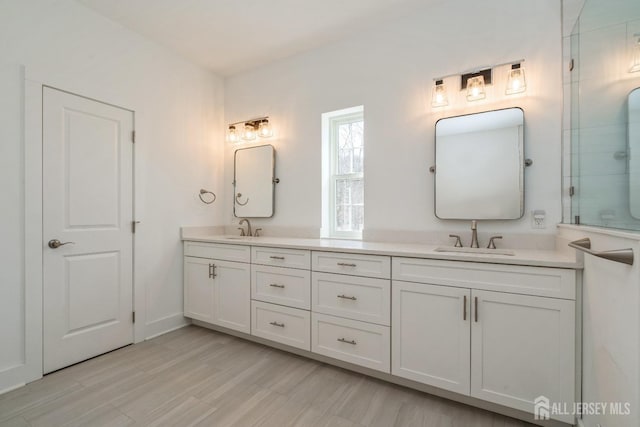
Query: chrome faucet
{"x": 242, "y": 221}
{"x": 474, "y": 234}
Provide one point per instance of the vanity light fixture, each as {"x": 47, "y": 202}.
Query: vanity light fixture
{"x": 474, "y": 82}
{"x": 250, "y": 129}
{"x": 516, "y": 82}
{"x": 635, "y": 61}
{"x": 439, "y": 96}
{"x": 475, "y": 88}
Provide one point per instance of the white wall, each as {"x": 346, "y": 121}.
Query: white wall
{"x": 179, "y": 115}
{"x": 390, "y": 70}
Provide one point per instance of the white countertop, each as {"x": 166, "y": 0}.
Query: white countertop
{"x": 531, "y": 257}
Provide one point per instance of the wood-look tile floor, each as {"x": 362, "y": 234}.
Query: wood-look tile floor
{"x": 197, "y": 377}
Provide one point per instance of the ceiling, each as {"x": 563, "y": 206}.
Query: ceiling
{"x": 230, "y": 36}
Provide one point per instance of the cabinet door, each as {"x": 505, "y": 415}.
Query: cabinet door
{"x": 430, "y": 335}
{"x": 522, "y": 348}
{"x": 198, "y": 289}
{"x": 232, "y": 298}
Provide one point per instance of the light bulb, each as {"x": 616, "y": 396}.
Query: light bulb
{"x": 233, "y": 134}
{"x": 475, "y": 88}
{"x": 439, "y": 96}
{"x": 516, "y": 82}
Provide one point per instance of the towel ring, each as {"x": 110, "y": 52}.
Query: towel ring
{"x": 203, "y": 191}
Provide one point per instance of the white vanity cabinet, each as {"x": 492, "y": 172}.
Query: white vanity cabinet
{"x": 217, "y": 284}
{"x": 495, "y": 334}
{"x": 481, "y": 330}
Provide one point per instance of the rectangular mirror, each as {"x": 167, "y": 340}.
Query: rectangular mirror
{"x": 479, "y": 172}
{"x": 254, "y": 182}
{"x": 634, "y": 152}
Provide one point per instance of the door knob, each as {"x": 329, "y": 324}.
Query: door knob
{"x": 55, "y": 243}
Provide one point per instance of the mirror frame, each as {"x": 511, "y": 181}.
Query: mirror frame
{"x": 274, "y": 180}
{"x": 523, "y": 164}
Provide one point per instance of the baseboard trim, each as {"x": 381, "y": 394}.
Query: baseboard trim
{"x": 165, "y": 325}
{"x": 13, "y": 387}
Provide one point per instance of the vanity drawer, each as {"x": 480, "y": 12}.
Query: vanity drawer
{"x": 352, "y": 341}
{"x": 238, "y": 253}
{"x": 286, "y": 286}
{"x": 353, "y": 297}
{"x": 354, "y": 264}
{"x": 292, "y": 258}
{"x": 539, "y": 281}
{"x": 285, "y": 325}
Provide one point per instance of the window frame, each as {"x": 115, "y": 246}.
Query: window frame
{"x": 335, "y": 120}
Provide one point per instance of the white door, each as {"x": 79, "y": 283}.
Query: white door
{"x": 522, "y": 348}
{"x": 232, "y": 295}
{"x": 198, "y": 289}
{"x": 88, "y": 200}
{"x": 431, "y": 335}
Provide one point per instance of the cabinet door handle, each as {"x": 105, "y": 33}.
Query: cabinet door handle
{"x": 464, "y": 308}
{"x": 213, "y": 271}
{"x": 476, "y": 309}
{"x": 210, "y": 271}
{"x": 279, "y": 325}
{"x": 346, "y": 297}
{"x": 276, "y": 257}
{"x": 346, "y": 264}
{"x": 275, "y": 285}
{"x": 346, "y": 341}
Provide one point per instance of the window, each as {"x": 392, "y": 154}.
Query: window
{"x": 343, "y": 167}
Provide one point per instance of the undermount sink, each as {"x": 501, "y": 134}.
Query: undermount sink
{"x": 482, "y": 251}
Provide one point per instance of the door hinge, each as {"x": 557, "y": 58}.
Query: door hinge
{"x": 572, "y": 191}
{"x": 133, "y": 316}
{"x": 133, "y": 136}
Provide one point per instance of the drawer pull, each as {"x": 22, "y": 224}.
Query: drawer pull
{"x": 346, "y": 341}
{"x": 275, "y": 285}
{"x": 346, "y": 297}
{"x": 276, "y": 257}
{"x": 279, "y": 325}
{"x": 346, "y": 264}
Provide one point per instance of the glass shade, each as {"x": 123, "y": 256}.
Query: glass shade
{"x": 475, "y": 88}
{"x": 635, "y": 60}
{"x": 439, "y": 96}
{"x": 233, "y": 134}
{"x": 516, "y": 82}
{"x": 264, "y": 129}
{"x": 249, "y": 133}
